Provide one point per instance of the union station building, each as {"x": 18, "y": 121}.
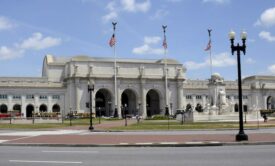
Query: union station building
{"x": 141, "y": 88}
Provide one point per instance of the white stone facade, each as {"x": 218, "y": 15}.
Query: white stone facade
{"x": 63, "y": 87}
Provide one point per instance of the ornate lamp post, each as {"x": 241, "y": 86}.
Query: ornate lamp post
{"x": 241, "y": 136}
{"x": 90, "y": 90}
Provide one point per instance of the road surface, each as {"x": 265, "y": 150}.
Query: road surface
{"x": 259, "y": 155}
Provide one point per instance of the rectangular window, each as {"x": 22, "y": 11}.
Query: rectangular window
{"x": 198, "y": 97}
{"x": 43, "y": 97}
{"x": 30, "y": 96}
{"x": 188, "y": 97}
{"x": 56, "y": 97}
{"x": 16, "y": 97}
{"x": 3, "y": 96}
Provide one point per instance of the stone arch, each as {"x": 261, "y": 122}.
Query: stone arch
{"x": 29, "y": 110}
{"x": 270, "y": 102}
{"x": 103, "y": 100}
{"x": 129, "y": 102}
{"x": 17, "y": 108}
{"x": 43, "y": 108}
{"x": 56, "y": 108}
{"x": 3, "y": 108}
{"x": 153, "y": 102}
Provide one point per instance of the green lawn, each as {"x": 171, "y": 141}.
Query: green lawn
{"x": 175, "y": 125}
{"x": 143, "y": 125}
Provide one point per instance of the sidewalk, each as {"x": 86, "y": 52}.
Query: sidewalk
{"x": 81, "y": 136}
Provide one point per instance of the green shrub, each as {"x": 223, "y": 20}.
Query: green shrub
{"x": 157, "y": 117}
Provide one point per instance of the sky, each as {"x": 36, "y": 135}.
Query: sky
{"x": 30, "y": 29}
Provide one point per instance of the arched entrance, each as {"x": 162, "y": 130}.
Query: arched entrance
{"x": 128, "y": 103}
{"x": 56, "y": 108}
{"x": 270, "y": 103}
{"x": 103, "y": 103}
{"x": 152, "y": 103}
{"x": 29, "y": 110}
{"x": 4, "y": 108}
{"x": 17, "y": 108}
{"x": 43, "y": 108}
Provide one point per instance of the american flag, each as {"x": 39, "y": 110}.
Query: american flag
{"x": 164, "y": 44}
{"x": 208, "y": 47}
{"x": 112, "y": 41}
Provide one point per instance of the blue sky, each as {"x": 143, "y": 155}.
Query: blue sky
{"x": 30, "y": 29}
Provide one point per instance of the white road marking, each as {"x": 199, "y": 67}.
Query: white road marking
{"x": 53, "y": 162}
{"x": 144, "y": 143}
{"x": 193, "y": 142}
{"x": 1, "y": 141}
{"x": 38, "y": 133}
{"x": 122, "y": 143}
{"x": 48, "y": 151}
{"x": 169, "y": 143}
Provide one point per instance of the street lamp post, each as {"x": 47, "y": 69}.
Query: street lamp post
{"x": 241, "y": 136}
{"x": 90, "y": 90}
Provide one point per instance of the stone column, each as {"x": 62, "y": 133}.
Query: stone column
{"x": 50, "y": 104}
{"x": 10, "y": 103}
{"x": 203, "y": 101}
{"x": 194, "y": 101}
{"x": 264, "y": 102}
{"x": 23, "y": 105}
{"x": 119, "y": 93}
{"x": 77, "y": 95}
{"x": 180, "y": 95}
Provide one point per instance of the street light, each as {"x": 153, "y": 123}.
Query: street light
{"x": 241, "y": 136}
{"x": 90, "y": 90}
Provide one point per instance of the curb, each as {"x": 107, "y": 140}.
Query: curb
{"x": 184, "y": 144}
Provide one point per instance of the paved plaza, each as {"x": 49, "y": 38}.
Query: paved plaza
{"x": 81, "y": 136}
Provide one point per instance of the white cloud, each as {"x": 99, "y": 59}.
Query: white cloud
{"x": 219, "y": 60}
{"x": 147, "y": 47}
{"x": 267, "y": 18}
{"x": 160, "y": 13}
{"x": 267, "y": 36}
{"x": 216, "y": 1}
{"x": 250, "y": 61}
{"x": 133, "y": 6}
{"x": 5, "y": 23}
{"x": 272, "y": 69}
{"x": 114, "y": 8}
{"x": 10, "y": 53}
{"x": 38, "y": 42}
{"x": 35, "y": 42}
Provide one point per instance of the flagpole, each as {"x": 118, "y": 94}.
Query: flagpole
{"x": 165, "y": 68}
{"x": 210, "y": 51}
{"x": 115, "y": 67}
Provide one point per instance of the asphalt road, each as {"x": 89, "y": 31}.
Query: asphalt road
{"x": 260, "y": 155}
